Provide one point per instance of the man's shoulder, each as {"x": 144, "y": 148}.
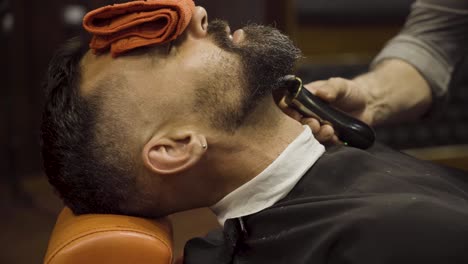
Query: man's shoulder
{"x": 364, "y": 228}
{"x": 358, "y": 229}
{"x": 379, "y": 170}
{"x": 408, "y": 229}
{"x": 365, "y": 208}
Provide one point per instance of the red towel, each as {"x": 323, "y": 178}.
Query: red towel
{"x": 127, "y": 26}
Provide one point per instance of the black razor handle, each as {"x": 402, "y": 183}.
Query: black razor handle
{"x": 351, "y": 131}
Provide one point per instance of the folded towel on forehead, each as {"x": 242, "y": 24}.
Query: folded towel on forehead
{"x": 139, "y": 23}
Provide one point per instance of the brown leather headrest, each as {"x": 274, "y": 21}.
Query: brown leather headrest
{"x": 114, "y": 239}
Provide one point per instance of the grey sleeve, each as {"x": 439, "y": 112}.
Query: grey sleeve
{"x": 434, "y": 39}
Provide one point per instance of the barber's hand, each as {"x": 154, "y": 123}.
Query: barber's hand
{"x": 323, "y": 133}
{"x": 346, "y": 95}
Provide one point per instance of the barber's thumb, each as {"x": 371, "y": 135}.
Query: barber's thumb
{"x": 315, "y": 86}
{"x": 320, "y": 89}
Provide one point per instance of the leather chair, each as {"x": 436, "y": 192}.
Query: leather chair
{"x": 116, "y": 239}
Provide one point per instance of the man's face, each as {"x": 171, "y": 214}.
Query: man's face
{"x": 215, "y": 75}
{"x": 205, "y": 82}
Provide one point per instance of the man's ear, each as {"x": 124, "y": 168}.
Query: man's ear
{"x": 174, "y": 153}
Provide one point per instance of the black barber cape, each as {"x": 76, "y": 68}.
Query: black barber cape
{"x": 377, "y": 206}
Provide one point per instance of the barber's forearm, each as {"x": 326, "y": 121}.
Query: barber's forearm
{"x": 396, "y": 92}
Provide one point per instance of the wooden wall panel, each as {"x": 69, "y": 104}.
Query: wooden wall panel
{"x": 26, "y": 52}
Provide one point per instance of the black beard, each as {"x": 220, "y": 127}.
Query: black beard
{"x": 266, "y": 55}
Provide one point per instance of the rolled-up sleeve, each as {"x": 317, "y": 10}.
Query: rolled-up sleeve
{"x": 433, "y": 40}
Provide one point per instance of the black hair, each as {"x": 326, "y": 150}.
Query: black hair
{"x": 79, "y": 164}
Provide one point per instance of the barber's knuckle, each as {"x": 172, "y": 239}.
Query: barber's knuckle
{"x": 328, "y": 129}
{"x": 328, "y": 132}
{"x": 315, "y": 122}
{"x": 336, "y": 82}
{"x": 308, "y": 121}
{"x": 352, "y": 83}
{"x": 327, "y": 135}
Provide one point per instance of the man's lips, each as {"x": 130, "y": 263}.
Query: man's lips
{"x": 237, "y": 36}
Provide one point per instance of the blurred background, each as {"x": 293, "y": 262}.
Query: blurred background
{"x": 339, "y": 38}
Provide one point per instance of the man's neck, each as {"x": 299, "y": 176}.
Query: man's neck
{"x": 240, "y": 157}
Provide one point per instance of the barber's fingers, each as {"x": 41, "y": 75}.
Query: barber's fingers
{"x": 327, "y": 136}
{"x": 313, "y": 123}
{"x": 329, "y": 90}
{"x": 324, "y": 133}
{"x": 289, "y": 111}
{"x": 341, "y": 93}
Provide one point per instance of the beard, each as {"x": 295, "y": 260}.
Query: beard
{"x": 265, "y": 55}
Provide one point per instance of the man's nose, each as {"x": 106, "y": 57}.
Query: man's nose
{"x": 198, "y": 26}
